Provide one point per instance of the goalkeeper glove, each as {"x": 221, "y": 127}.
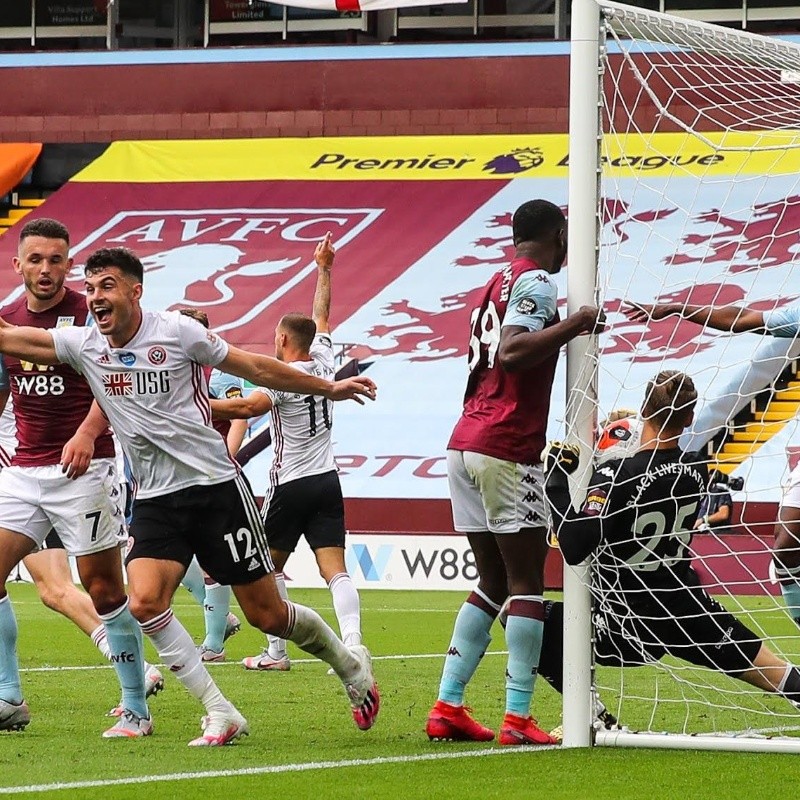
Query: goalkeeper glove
{"x": 562, "y": 457}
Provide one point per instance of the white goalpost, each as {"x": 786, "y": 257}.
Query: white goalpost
{"x": 684, "y": 187}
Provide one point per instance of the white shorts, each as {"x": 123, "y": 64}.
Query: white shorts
{"x": 87, "y": 513}
{"x": 490, "y": 494}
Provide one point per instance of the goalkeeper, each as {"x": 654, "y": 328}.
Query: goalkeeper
{"x": 783, "y": 323}
{"x": 636, "y": 522}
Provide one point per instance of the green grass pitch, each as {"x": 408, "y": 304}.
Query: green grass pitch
{"x": 303, "y": 743}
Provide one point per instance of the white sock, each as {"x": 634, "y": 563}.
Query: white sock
{"x": 347, "y": 607}
{"x": 176, "y": 649}
{"x": 277, "y": 647}
{"x": 100, "y": 641}
{"x": 311, "y": 633}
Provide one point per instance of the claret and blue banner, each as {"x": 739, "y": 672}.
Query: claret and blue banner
{"x": 420, "y": 223}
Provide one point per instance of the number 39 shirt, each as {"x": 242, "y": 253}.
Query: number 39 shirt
{"x": 505, "y": 413}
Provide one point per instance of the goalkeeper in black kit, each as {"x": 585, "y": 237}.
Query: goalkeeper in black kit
{"x": 636, "y": 525}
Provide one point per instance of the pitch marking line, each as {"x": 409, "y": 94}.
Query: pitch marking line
{"x": 409, "y": 657}
{"x": 275, "y": 769}
{"x": 199, "y": 608}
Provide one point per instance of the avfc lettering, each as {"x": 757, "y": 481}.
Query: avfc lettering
{"x": 126, "y": 384}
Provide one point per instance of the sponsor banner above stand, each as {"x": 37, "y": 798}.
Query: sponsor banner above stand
{"x": 434, "y": 158}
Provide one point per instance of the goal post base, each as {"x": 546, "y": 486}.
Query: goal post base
{"x": 675, "y": 741}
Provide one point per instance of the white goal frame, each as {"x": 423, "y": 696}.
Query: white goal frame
{"x": 585, "y": 142}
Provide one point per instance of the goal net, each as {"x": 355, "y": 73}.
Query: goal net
{"x": 698, "y": 202}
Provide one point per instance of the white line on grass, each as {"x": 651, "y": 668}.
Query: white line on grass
{"x": 407, "y": 657}
{"x": 370, "y": 610}
{"x": 274, "y": 769}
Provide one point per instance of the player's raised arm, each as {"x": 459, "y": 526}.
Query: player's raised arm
{"x": 735, "y": 319}
{"x": 27, "y": 344}
{"x": 269, "y": 372}
{"x": 321, "y": 308}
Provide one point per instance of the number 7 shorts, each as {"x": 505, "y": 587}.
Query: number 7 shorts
{"x": 87, "y": 513}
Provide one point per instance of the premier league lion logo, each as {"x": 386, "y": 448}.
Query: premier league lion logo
{"x": 521, "y": 159}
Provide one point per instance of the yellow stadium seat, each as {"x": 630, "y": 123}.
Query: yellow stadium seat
{"x": 740, "y": 448}
{"x": 726, "y": 467}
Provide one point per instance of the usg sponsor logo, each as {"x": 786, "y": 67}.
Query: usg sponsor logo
{"x": 521, "y": 159}
{"x": 126, "y": 384}
{"x": 432, "y": 161}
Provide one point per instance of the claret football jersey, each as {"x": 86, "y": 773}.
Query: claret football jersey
{"x": 50, "y": 401}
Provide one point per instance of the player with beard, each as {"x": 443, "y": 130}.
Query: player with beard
{"x": 62, "y": 477}
{"x": 146, "y": 371}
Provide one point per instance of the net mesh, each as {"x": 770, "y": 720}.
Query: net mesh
{"x": 700, "y": 204}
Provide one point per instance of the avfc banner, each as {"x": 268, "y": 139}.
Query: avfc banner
{"x": 243, "y": 252}
{"x": 420, "y": 224}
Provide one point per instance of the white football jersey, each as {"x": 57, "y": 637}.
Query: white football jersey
{"x": 155, "y": 396}
{"x": 301, "y": 423}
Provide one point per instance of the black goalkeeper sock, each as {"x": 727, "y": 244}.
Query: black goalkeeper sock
{"x": 551, "y": 659}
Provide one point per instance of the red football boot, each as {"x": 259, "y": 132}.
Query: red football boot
{"x": 454, "y": 724}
